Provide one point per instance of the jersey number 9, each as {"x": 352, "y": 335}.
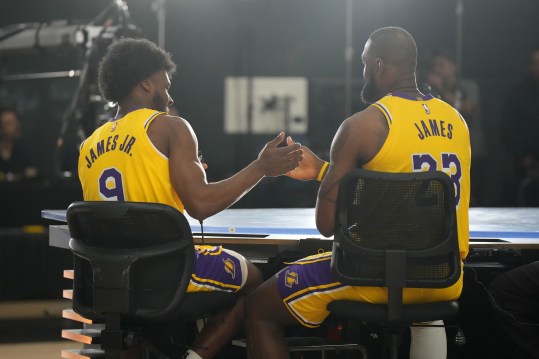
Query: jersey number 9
{"x": 111, "y": 187}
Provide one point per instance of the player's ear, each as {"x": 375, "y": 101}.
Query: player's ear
{"x": 146, "y": 85}
{"x": 379, "y": 64}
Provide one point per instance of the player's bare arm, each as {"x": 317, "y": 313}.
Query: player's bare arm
{"x": 357, "y": 141}
{"x": 310, "y": 166}
{"x": 200, "y": 198}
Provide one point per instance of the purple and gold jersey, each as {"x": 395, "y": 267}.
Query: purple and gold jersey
{"x": 426, "y": 133}
{"x": 118, "y": 162}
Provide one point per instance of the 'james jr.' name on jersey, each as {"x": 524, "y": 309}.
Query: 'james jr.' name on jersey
{"x": 110, "y": 144}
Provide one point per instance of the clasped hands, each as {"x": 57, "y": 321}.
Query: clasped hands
{"x": 293, "y": 160}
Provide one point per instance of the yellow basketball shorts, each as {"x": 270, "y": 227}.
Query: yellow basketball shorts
{"x": 307, "y": 287}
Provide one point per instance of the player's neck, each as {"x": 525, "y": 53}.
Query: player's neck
{"x": 126, "y": 107}
{"x": 408, "y": 90}
{"x": 406, "y": 84}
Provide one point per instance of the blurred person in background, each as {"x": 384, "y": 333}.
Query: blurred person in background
{"x": 520, "y": 133}
{"x": 463, "y": 94}
{"x": 15, "y": 161}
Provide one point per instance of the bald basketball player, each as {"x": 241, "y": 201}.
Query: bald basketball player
{"x": 146, "y": 155}
{"x": 402, "y": 130}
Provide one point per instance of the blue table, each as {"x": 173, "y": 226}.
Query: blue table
{"x": 516, "y": 228}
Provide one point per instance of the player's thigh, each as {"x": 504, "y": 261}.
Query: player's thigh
{"x": 217, "y": 269}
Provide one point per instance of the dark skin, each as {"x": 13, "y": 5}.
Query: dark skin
{"x": 356, "y": 142}
{"x": 174, "y": 137}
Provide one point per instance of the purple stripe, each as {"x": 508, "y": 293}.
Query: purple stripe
{"x": 425, "y": 97}
{"x": 213, "y": 285}
{"x": 380, "y": 106}
{"x": 317, "y": 290}
{"x": 150, "y": 119}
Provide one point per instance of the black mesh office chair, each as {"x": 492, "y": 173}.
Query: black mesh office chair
{"x": 396, "y": 230}
{"x": 132, "y": 265}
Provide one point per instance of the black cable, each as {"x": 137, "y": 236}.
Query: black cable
{"x": 103, "y": 15}
{"x": 202, "y": 231}
{"x": 201, "y": 159}
{"x": 36, "y": 36}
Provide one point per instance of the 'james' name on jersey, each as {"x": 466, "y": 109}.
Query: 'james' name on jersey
{"x": 119, "y": 162}
{"x": 427, "y": 128}
{"x": 427, "y": 134}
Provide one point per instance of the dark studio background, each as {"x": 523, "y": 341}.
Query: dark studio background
{"x": 212, "y": 39}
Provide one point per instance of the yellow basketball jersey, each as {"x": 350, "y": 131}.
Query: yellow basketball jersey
{"x": 118, "y": 162}
{"x": 426, "y": 133}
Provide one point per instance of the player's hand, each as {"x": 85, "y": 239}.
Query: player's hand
{"x": 201, "y": 160}
{"x": 309, "y": 168}
{"x": 275, "y": 161}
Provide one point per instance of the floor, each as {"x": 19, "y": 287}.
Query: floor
{"x": 32, "y": 329}
{"x": 35, "y": 350}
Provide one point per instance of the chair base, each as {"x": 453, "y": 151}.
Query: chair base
{"x": 378, "y": 313}
{"x": 309, "y": 344}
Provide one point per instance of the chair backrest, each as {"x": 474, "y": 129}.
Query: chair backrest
{"x": 132, "y": 259}
{"x": 396, "y": 230}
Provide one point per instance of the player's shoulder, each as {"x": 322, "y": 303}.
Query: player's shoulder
{"x": 370, "y": 116}
{"x": 172, "y": 123}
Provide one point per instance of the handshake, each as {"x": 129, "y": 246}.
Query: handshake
{"x": 293, "y": 160}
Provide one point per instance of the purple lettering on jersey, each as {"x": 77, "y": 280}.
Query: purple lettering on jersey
{"x": 114, "y": 193}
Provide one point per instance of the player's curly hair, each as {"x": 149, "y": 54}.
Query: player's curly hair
{"x": 129, "y": 62}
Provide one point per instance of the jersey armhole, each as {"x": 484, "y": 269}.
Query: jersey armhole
{"x": 81, "y": 145}
{"x": 152, "y": 117}
{"x": 385, "y": 112}
{"x": 147, "y": 123}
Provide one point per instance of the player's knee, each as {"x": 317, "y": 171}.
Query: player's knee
{"x": 252, "y": 307}
{"x": 254, "y": 279}
{"x": 264, "y": 303}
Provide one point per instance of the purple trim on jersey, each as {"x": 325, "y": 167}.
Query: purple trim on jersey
{"x": 221, "y": 268}
{"x": 406, "y": 96}
{"x": 150, "y": 119}
{"x": 81, "y": 145}
{"x": 132, "y": 109}
{"x": 384, "y": 109}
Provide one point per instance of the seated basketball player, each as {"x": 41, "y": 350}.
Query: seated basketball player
{"x": 402, "y": 131}
{"x": 146, "y": 155}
